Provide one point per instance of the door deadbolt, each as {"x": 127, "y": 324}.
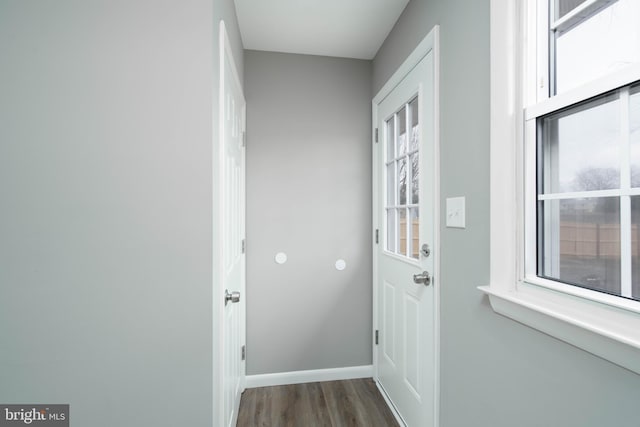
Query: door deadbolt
{"x": 425, "y": 251}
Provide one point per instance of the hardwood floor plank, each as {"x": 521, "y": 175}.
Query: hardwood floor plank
{"x": 313, "y": 411}
{"x": 250, "y": 408}
{"x": 350, "y": 403}
{"x": 283, "y": 405}
{"x": 340, "y": 404}
{"x": 374, "y": 415}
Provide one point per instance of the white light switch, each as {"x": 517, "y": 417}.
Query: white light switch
{"x": 455, "y": 212}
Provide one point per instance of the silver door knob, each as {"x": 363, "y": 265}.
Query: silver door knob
{"x": 231, "y": 297}
{"x": 423, "y": 278}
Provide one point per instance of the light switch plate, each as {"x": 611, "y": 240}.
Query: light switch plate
{"x": 456, "y": 212}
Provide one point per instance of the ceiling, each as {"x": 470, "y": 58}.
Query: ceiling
{"x": 343, "y": 28}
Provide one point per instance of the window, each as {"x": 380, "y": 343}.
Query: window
{"x": 585, "y": 170}
{"x": 565, "y": 171}
{"x": 587, "y": 194}
{"x": 403, "y": 172}
{"x": 591, "y": 39}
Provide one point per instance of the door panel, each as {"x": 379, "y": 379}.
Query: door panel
{"x": 405, "y": 209}
{"x": 411, "y": 350}
{"x": 232, "y": 176}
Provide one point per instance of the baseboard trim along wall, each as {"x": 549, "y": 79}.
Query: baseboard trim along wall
{"x": 299, "y": 377}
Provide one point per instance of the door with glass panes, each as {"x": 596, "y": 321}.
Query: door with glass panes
{"x": 404, "y": 257}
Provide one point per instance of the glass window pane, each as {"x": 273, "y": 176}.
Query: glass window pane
{"x": 390, "y": 140}
{"x": 391, "y": 184}
{"x": 402, "y": 131}
{"x": 415, "y": 178}
{"x": 402, "y": 228}
{"x": 415, "y": 232}
{"x": 566, "y": 6}
{"x": 391, "y": 230}
{"x": 580, "y": 242}
{"x": 402, "y": 181}
{"x": 634, "y": 135}
{"x": 581, "y": 147}
{"x": 604, "y": 43}
{"x": 635, "y": 247}
{"x": 414, "y": 140}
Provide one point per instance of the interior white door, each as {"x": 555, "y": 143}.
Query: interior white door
{"x": 405, "y": 185}
{"x": 232, "y": 168}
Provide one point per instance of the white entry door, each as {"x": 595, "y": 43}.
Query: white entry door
{"x": 232, "y": 227}
{"x": 405, "y": 173}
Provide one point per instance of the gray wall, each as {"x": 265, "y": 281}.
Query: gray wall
{"x": 309, "y": 195}
{"x": 489, "y": 360}
{"x": 106, "y": 204}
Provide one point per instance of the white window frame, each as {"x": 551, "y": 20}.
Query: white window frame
{"x": 604, "y": 325}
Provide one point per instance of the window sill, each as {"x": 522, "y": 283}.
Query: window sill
{"x": 605, "y": 331}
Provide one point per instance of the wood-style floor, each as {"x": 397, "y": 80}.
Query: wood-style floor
{"x": 347, "y": 403}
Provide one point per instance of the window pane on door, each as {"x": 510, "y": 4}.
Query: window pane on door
{"x": 580, "y": 242}
{"x": 402, "y": 181}
{"x": 391, "y": 184}
{"x": 415, "y": 232}
{"x": 581, "y": 147}
{"x": 605, "y": 42}
{"x": 402, "y": 131}
{"x": 402, "y": 228}
{"x": 414, "y": 139}
{"x": 390, "y": 140}
{"x": 415, "y": 178}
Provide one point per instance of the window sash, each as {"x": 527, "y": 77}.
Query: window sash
{"x": 543, "y": 105}
{"x": 545, "y": 29}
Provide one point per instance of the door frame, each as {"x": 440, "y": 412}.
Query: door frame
{"x": 431, "y": 43}
{"x": 218, "y": 190}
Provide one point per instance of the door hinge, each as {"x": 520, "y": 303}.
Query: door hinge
{"x": 244, "y": 139}
{"x": 376, "y": 134}
{"x": 377, "y": 335}
{"x": 243, "y": 352}
{"x": 377, "y": 236}
{"x": 243, "y": 246}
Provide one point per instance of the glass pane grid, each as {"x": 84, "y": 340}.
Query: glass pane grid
{"x": 589, "y": 212}
{"x": 402, "y": 181}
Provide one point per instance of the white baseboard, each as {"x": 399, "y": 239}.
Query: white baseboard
{"x": 316, "y": 375}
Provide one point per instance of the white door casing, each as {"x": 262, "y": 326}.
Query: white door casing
{"x": 231, "y": 187}
{"x": 406, "y": 314}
